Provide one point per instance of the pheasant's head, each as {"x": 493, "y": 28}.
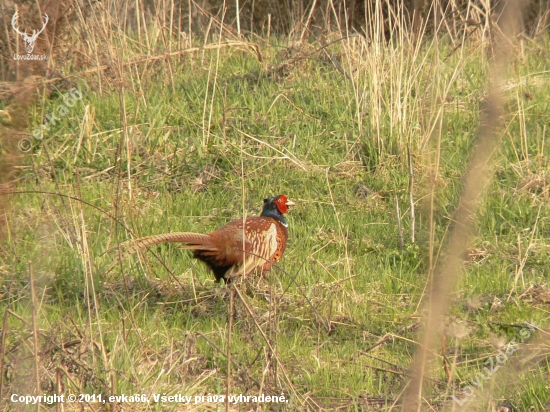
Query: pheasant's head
{"x": 276, "y": 207}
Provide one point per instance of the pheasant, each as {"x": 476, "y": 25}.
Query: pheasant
{"x": 238, "y": 248}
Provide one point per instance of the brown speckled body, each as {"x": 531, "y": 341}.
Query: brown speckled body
{"x": 263, "y": 244}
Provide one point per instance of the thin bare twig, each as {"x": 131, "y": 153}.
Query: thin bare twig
{"x": 298, "y": 395}
{"x": 35, "y": 333}
{"x": 411, "y": 196}
{"x": 229, "y": 338}
{"x": 399, "y": 227}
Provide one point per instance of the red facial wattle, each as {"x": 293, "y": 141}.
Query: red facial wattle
{"x": 282, "y": 204}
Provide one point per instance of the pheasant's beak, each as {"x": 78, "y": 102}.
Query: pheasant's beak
{"x": 290, "y": 203}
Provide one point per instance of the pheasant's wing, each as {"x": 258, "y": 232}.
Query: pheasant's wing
{"x": 188, "y": 240}
{"x": 229, "y": 246}
{"x": 261, "y": 241}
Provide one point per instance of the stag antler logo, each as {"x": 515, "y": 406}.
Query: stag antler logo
{"x": 30, "y": 40}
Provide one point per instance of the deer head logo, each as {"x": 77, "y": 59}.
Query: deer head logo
{"x": 30, "y": 40}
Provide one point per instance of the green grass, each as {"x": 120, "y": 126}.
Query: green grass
{"x": 200, "y": 152}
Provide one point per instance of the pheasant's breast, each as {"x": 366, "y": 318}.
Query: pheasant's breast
{"x": 263, "y": 237}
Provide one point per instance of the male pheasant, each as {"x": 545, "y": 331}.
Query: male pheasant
{"x": 238, "y": 248}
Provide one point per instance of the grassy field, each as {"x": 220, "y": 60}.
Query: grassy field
{"x": 371, "y": 139}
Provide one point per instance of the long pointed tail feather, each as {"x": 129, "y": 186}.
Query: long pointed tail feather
{"x": 189, "y": 241}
